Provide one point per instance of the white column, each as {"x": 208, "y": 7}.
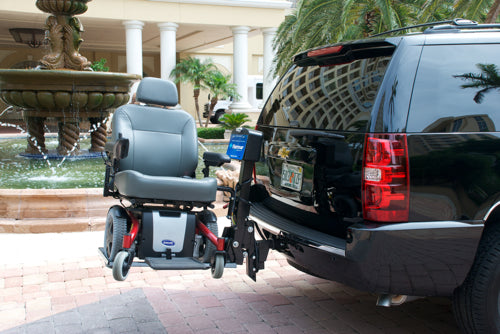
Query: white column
{"x": 240, "y": 66}
{"x": 167, "y": 48}
{"x": 269, "y": 54}
{"x": 134, "y": 46}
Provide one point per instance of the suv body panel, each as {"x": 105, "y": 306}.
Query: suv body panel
{"x": 421, "y": 259}
{"x": 454, "y": 174}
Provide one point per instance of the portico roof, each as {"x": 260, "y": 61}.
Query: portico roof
{"x": 202, "y": 23}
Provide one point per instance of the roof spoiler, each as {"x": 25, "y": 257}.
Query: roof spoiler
{"x": 344, "y": 53}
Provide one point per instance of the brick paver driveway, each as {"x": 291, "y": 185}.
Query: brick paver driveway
{"x": 74, "y": 293}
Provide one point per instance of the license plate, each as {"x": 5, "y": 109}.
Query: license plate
{"x": 291, "y": 176}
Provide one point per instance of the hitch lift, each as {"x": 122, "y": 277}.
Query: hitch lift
{"x": 237, "y": 242}
{"x": 245, "y": 145}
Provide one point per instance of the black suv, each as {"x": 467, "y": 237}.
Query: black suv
{"x": 381, "y": 167}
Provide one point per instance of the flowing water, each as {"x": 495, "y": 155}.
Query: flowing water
{"x": 17, "y": 172}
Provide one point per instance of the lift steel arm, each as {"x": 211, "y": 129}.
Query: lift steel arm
{"x": 246, "y": 146}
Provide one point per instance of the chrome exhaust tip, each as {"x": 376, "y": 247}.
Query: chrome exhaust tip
{"x": 388, "y": 300}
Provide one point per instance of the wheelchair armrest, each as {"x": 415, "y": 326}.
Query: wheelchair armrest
{"x": 215, "y": 159}
{"x": 117, "y": 150}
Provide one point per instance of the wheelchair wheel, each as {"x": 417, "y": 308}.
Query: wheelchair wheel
{"x": 206, "y": 248}
{"x": 114, "y": 231}
{"x": 218, "y": 266}
{"x": 121, "y": 266}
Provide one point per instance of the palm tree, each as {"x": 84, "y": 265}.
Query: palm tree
{"x": 313, "y": 23}
{"x": 477, "y": 10}
{"x": 219, "y": 86}
{"x": 436, "y": 10}
{"x": 376, "y": 16}
{"x": 234, "y": 120}
{"x": 487, "y": 80}
{"x": 320, "y": 22}
{"x": 494, "y": 12}
{"x": 192, "y": 70}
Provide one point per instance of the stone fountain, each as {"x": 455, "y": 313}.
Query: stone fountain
{"x": 65, "y": 88}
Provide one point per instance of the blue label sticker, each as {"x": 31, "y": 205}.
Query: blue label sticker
{"x": 168, "y": 242}
{"x": 237, "y": 145}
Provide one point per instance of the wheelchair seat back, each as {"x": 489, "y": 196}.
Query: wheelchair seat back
{"x": 163, "y": 148}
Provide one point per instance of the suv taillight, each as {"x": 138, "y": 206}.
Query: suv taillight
{"x": 386, "y": 178}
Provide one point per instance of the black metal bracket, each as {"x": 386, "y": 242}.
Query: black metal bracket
{"x": 241, "y": 234}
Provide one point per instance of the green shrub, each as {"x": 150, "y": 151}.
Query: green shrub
{"x": 211, "y": 133}
{"x": 233, "y": 121}
{"x": 99, "y": 65}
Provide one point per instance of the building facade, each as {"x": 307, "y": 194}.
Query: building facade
{"x": 148, "y": 37}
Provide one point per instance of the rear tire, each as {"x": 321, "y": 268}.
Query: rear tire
{"x": 461, "y": 301}
{"x": 207, "y": 248}
{"x": 114, "y": 231}
{"x": 476, "y": 304}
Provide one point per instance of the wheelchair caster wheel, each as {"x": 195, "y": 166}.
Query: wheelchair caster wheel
{"x": 121, "y": 266}
{"x": 218, "y": 266}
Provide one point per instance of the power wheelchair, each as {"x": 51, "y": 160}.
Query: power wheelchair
{"x": 166, "y": 222}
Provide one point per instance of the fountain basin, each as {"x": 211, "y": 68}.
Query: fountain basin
{"x": 69, "y": 96}
{"x": 54, "y": 92}
{"x": 63, "y": 7}
{"x": 53, "y": 210}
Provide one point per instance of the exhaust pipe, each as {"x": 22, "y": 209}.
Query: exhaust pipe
{"x": 388, "y": 300}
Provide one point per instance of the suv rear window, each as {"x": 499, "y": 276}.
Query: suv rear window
{"x": 441, "y": 103}
{"x": 338, "y": 97}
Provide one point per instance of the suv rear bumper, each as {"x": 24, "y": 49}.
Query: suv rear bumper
{"x": 419, "y": 259}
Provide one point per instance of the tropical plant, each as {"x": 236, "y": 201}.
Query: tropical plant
{"x": 233, "y": 121}
{"x": 494, "y": 12}
{"x": 478, "y": 10}
{"x": 220, "y": 87}
{"x": 320, "y": 22}
{"x": 369, "y": 17}
{"x": 487, "y": 80}
{"x": 311, "y": 24}
{"x": 196, "y": 72}
{"x": 99, "y": 65}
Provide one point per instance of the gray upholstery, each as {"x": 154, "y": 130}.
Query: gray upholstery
{"x": 157, "y": 91}
{"x": 162, "y": 156}
{"x": 134, "y": 184}
{"x": 163, "y": 142}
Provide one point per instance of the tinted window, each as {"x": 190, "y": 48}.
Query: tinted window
{"x": 337, "y": 97}
{"x": 259, "y": 91}
{"x": 456, "y": 89}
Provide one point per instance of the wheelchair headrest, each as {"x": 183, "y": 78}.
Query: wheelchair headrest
{"x": 157, "y": 91}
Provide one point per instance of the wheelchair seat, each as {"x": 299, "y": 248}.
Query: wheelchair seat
{"x": 162, "y": 155}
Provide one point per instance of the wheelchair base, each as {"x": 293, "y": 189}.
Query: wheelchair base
{"x": 163, "y": 239}
{"x": 161, "y": 263}
{"x": 183, "y": 263}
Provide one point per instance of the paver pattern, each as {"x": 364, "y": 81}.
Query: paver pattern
{"x": 79, "y": 295}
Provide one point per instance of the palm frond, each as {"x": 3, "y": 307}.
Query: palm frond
{"x": 488, "y": 79}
